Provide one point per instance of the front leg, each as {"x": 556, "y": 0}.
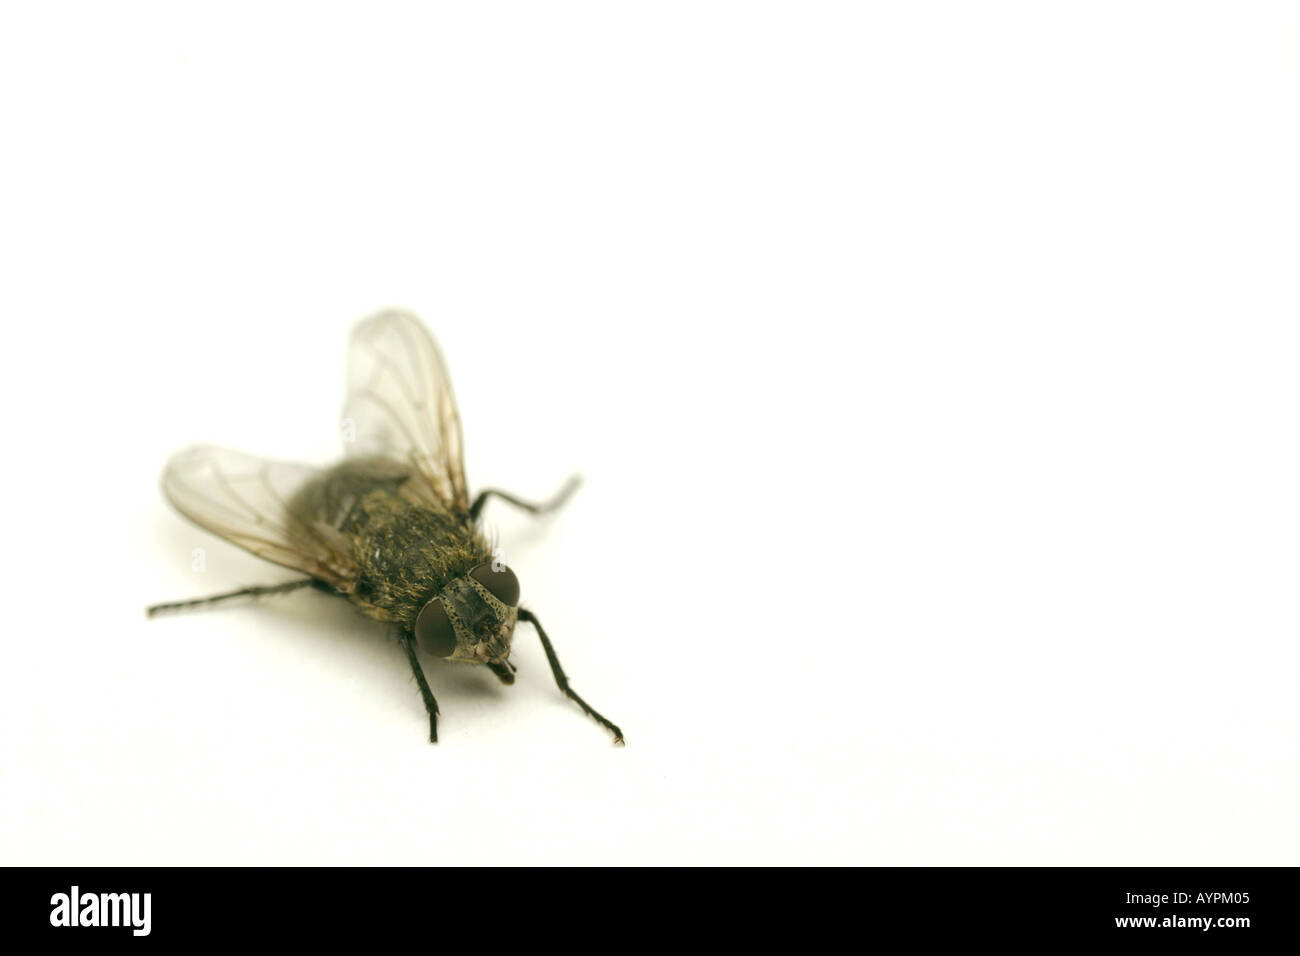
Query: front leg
{"x": 563, "y": 681}
{"x": 430, "y": 704}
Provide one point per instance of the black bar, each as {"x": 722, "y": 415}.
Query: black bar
{"x": 1046, "y": 905}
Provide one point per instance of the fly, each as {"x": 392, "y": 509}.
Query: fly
{"x": 391, "y": 527}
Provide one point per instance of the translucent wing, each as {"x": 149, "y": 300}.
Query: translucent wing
{"x": 254, "y": 503}
{"x": 400, "y": 405}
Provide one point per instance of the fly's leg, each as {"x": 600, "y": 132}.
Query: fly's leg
{"x": 430, "y": 704}
{"x": 563, "y": 682}
{"x": 535, "y": 508}
{"x": 258, "y": 591}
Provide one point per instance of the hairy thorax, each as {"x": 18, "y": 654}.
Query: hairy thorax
{"x": 406, "y": 545}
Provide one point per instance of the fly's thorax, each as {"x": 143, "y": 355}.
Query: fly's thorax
{"x": 404, "y": 547}
{"x": 472, "y": 618}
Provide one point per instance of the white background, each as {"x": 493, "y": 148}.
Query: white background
{"x": 933, "y": 369}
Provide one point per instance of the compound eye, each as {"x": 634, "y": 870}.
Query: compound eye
{"x": 503, "y": 585}
{"x": 433, "y": 630}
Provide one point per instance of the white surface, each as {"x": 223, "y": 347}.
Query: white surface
{"x": 933, "y": 370}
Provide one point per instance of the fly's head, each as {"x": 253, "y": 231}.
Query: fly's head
{"x": 473, "y": 618}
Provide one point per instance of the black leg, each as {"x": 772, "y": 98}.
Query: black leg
{"x": 245, "y": 592}
{"x": 536, "y": 508}
{"x": 430, "y": 704}
{"x": 563, "y": 682}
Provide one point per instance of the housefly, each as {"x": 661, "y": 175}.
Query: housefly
{"x": 391, "y": 528}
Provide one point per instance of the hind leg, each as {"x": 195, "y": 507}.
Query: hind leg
{"x": 258, "y": 591}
